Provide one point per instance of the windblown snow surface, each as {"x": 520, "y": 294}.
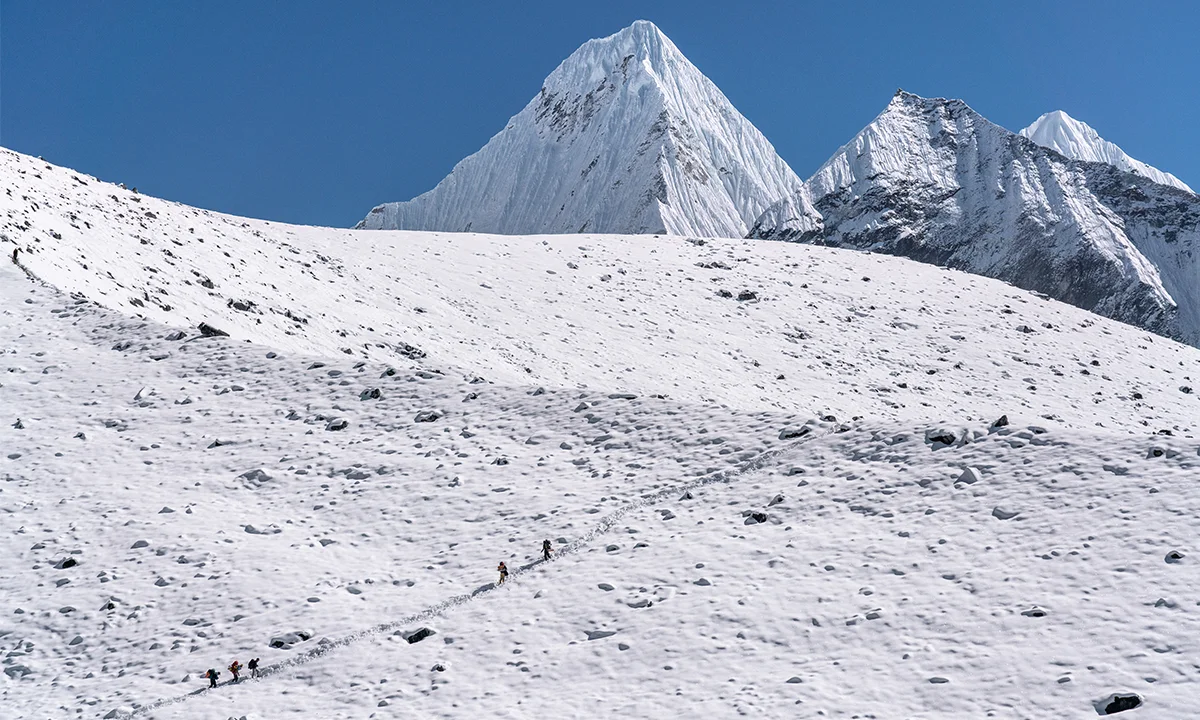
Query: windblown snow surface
{"x": 625, "y": 136}
{"x": 1077, "y": 140}
{"x": 792, "y": 504}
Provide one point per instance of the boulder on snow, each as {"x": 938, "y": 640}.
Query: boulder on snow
{"x": 792, "y": 433}
{"x": 288, "y": 640}
{"x": 255, "y": 477}
{"x": 970, "y": 476}
{"x": 337, "y": 424}
{"x": 941, "y": 436}
{"x": 427, "y": 416}
{"x": 1004, "y": 513}
{"x": 1117, "y": 702}
{"x": 416, "y": 636}
{"x": 754, "y": 517}
{"x": 372, "y": 394}
{"x": 1173, "y": 557}
{"x": 209, "y": 331}
{"x": 1001, "y": 422}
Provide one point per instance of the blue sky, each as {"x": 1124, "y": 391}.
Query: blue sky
{"x": 313, "y": 112}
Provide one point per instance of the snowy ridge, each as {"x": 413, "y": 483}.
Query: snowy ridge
{"x": 625, "y": 136}
{"x": 933, "y": 180}
{"x": 393, "y": 413}
{"x": 545, "y": 310}
{"x": 1077, "y": 140}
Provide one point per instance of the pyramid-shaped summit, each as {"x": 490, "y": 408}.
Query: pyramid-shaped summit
{"x": 625, "y": 136}
{"x": 1077, "y": 140}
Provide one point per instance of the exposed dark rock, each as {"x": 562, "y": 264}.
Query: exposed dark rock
{"x": 416, "y": 636}
{"x": 427, "y": 416}
{"x": 792, "y": 433}
{"x": 209, "y": 331}
{"x": 1118, "y": 702}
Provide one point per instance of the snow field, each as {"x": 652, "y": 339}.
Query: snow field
{"x": 219, "y": 493}
{"x": 821, "y": 331}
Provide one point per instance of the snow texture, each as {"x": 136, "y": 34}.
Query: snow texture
{"x": 1077, "y": 140}
{"x": 174, "y": 499}
{"x": 933, "y": 180}
{"x": 625, "y": 136}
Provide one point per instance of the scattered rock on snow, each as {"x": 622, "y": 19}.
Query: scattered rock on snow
{"x": 1117, "y": 702}
{"x": 1174, "y": 557}
{"x": 792, "y": 433}
{"x": 598, "y": 634}
{"x": 372, "y": 394}
{"x": 288, "y": 640}
{"x": 337, "y": 424}
{"x": 255, "y": 477}
{"x": 209, "y": 331}
{"x": 1004, "y": 514}
{"x": 427, "y": 416}
{"x": 755, "y": 517}
{"x": 416, "y": 636}
{"x": 970, "y": 476}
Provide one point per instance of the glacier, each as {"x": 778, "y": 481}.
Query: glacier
{"x": 625, "y": 136}
{"x": 1077, "y": 140}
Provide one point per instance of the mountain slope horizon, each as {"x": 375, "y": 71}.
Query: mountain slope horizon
{"x": 625, "y": 136}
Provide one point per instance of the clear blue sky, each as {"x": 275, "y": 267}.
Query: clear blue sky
{"x": 313, "y": 112}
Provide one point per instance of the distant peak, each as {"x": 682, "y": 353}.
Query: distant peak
{"x": 1076, "y": 139}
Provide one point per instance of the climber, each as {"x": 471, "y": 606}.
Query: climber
{"x": 235, "y": 668}
{"x": 545, "y": 550}
{"x": 212, "y": 676}
{"x": 253, "y": 665}
{"x": 503, "y": 572}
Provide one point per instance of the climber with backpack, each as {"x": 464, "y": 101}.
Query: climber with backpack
{"x": 545, "y": 550}
{"x": 253, "y": 665}
{"x": 212, "y": 676}
{"x": 503, "y": 572}
{"x": 235, "y": 668}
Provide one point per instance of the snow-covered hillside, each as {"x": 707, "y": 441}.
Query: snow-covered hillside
{"x": 626, "y": 136}
{"x": 932, "y": 180}
{"x": 790, "y": 504}
{"x": 1077, "y": 140}
{"x": 742, "y": 323}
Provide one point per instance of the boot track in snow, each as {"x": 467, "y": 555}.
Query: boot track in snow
{"x": 605, "y": 525}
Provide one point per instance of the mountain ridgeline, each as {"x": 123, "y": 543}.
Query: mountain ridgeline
{"x": 932, "y": 180}
{"x": 627, "y": 136}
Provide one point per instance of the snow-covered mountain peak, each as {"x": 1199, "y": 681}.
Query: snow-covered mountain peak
{"x": 932, "y": 179}
{"x": 642, "y": 44}
{"x": 626, "y": 135}
{"x": 1079, "y": 141}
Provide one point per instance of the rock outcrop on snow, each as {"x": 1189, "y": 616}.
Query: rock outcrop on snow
{"x": 626, "y": 136}
{"x": 933, "y": 180}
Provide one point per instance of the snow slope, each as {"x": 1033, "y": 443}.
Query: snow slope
{"x": 1077, "y": 140}
{"x": 933, "y": 180}
{"x": 211, "y": 503}
{"x": 850, "y": 334}
{"x": 625, "y": 136}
